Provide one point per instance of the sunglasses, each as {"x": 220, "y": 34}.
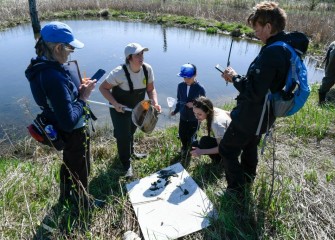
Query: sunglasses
{"x": 68, "y": 48}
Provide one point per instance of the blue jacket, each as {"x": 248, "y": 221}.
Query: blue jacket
{"x": 196, "y": 90}
{"x": 55, "y": 93}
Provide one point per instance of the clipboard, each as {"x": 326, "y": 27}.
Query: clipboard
{"x": 73, "y": 69}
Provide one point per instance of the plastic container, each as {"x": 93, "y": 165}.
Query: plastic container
{"x": 170, "y": 101}
{"x": 52, "y": 133}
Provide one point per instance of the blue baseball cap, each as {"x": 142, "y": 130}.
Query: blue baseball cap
{"x": 186, "y": 71}
{"x": 58, "y": 32}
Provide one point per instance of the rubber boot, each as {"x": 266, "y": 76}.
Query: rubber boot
{"x": 322, "y": 98}
{"x": 65, "y": 192}
{"x": 84, "y": 201}
{"x": 80, "y": 200}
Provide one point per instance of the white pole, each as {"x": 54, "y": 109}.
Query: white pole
{"x": 108, "y": 105}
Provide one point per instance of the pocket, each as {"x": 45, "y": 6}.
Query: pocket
{"x": 44, "y": 132}
{"x": 280, "y": 106}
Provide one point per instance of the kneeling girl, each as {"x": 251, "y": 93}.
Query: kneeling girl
{"x": 217, "y": 121}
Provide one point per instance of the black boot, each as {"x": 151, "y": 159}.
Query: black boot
{"x": 65, "y": 193}
{"x": 87, "y": 202}
{"x": 322, "y": 98}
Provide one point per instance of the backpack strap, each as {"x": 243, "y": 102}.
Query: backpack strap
{"x": 265, "y": 105}
{"x": 145, "y": 70}
{"x": 130, "y": 83}
{"x": 292, "y": 73}
{"x": 46, "y": 98}
{"x": 268, "y": 130}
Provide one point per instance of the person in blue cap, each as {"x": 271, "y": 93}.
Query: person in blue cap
{"x": 63, "y": 104}
{"x": 187, "y": 92}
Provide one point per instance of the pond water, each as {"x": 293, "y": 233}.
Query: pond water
{"x": 104, "y": 40}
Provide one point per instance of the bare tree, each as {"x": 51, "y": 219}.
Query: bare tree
{"x": 34, "y": 16}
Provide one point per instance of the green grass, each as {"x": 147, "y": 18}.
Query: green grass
{"x": 293, "y": 174}
{"x": 291, "y": 198}
{"x": 311, "y": 121}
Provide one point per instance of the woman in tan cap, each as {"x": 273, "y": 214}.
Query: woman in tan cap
{"x": 125, "y": 86}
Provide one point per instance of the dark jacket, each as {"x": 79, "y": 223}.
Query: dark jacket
{"x": 267, "y": 71}
{"x": 196, "y": 90}
{"x": 55, "y": 93}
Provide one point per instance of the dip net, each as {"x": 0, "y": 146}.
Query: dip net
{"x": 145, "y": 116}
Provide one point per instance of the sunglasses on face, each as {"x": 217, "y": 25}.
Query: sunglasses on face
{"x": 68, "y": 48}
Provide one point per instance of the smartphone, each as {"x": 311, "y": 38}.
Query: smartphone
{"x": 219, "y": 68}
{"x": 98, "y": 74}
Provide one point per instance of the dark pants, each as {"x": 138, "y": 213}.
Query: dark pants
{"x": 233, "y": 143}
{"x": 187, "y": 133}
{"x": 124, "y": 130}
{"x": 207, "y": 142}
{"x": 75, "y": 169}
{"x": 329, "y": 79}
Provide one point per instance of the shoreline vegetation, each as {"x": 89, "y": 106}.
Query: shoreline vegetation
{"x": 292, "y": 197}
{"x": 313, "y": 17}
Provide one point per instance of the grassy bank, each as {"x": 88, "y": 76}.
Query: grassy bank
{"x": 211, "y": 15}
{"x": 292, "y": 197}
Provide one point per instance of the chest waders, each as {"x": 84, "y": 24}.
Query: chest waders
{"x": 124, "y": 128}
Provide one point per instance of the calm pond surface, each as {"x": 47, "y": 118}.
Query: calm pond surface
{"x": 104, "y": 40}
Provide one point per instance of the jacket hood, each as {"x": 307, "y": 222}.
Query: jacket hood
{"x": 298, "y": 40}
{"x": 39, "y": 64}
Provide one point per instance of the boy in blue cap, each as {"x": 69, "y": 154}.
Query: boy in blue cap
{"x": 187, "y": 92}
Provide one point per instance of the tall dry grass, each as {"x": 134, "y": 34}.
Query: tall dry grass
{"x": 317, "y": 24}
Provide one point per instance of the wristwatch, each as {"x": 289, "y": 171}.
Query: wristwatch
{"x": 236, "y": 78}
